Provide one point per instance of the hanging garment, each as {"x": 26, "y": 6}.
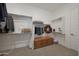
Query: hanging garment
{"x": 3, "y": 12}
{"x": 0, "y": 30}
{"x": 39, "y": 30}
{"x": 9, "y": 24}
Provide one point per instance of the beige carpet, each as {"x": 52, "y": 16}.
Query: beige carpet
{"x": 51, "y": 50}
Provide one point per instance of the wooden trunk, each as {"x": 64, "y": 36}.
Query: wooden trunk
{"x": 42, "y": 41}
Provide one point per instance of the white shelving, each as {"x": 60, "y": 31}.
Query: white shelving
{"x": 21, "y": 21}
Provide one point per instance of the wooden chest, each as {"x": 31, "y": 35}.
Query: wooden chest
{"x": 42, "y": 41}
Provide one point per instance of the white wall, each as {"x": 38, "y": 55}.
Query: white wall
{"x": 36, "y": 13}
{"x": 70, "y": 15}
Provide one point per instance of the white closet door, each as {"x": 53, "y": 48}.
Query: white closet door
{"x": 67, "y": 31}
{"x": 74, "y": 29}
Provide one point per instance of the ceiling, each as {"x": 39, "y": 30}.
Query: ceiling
{"x": 47, "y": 6}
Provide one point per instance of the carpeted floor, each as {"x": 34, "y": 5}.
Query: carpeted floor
{"x": 51, "y": 50}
